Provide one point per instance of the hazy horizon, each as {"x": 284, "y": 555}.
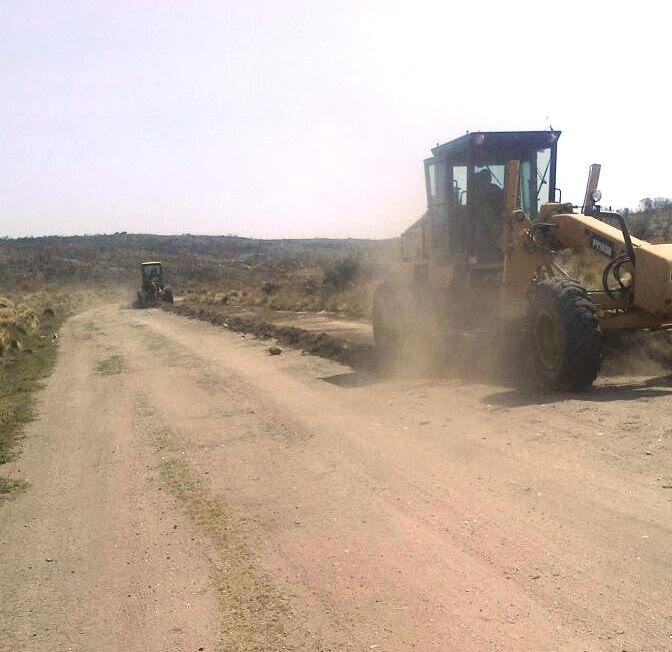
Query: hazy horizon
{"x": 149, "y": 234}
{"x": 302, "y": 119}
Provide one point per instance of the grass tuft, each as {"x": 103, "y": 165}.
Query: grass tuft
{"x": 9, "y": 485}
{"x": 254, "y": 614}
{"x": 111, "y": 366}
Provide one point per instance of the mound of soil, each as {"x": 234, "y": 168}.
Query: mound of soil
{"x": 321, "y": 344}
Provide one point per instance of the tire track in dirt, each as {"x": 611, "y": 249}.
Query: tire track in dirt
{"x": 93, "y": 557}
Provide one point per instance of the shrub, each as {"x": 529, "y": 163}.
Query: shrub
{"x": 343, "y": 273}
{"x": 269, "y": 287}
{"x": 310, "y": 285}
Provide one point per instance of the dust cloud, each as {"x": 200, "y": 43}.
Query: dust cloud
{"x": 422, "y": 336}
{"x": 642, "y": 353}
{"x": 429, "y": 340}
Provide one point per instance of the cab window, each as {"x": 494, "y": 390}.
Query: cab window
{"x": 543, "y": 174}
{"x": 431, "y": 183}
{"x": 152, "y": 271}
{"x": 496, "y": 173}
{"x": 460, "y": 188}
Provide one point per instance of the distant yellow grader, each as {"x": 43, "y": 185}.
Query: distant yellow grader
{"x": 487, "y": 254}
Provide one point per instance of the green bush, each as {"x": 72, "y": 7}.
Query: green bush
{"x": 343, "y": 273}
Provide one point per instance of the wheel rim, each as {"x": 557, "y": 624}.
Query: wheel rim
{"x": 548, "y": 341}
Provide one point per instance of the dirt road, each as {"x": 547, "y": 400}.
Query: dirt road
{"x": 190, "y": 492}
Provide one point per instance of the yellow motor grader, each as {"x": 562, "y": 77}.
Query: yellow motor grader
{"x": 491, "y": 252}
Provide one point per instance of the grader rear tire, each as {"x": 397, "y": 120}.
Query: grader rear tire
{"x": 565, "y": 334}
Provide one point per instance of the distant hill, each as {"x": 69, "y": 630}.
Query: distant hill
{"x": 29, "y": 263}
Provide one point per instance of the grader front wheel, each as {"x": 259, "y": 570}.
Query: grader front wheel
{"x": 565, "y": 333}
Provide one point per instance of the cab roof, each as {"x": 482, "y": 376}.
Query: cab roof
{"x": 492, "y": 141}
{"x": 154, "y": 262}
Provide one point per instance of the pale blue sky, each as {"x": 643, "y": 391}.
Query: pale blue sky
{"x": 299, "y": 119}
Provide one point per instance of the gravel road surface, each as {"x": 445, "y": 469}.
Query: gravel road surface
{"x": 187, "y": 491}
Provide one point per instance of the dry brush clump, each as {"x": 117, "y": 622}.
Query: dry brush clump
{"x": 23, "y": 315}
{"x": 653, "y": 225}
{"x": 342, "y": 281}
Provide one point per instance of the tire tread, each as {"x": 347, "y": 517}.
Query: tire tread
{"x": 580, "y": 332}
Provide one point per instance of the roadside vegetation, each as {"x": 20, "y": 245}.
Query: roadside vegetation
{"x": 29, "y": 325}
{"x": 311, "y": 275}
{"x": 28, "y": 345}
{"x": 343, "y": 283}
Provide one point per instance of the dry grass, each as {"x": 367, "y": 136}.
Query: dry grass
{"x": 342, "y": 283}
{"x": 24, "y": 314}
{"x": 111, "y": 366}
{"x": 254, "y": 614}
{"x": 307, "y": 275}
{"x": 23, "y": 366}
{"x": 29, "y": 323}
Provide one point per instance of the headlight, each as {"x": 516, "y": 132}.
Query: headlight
{"x": 596, "y": 195}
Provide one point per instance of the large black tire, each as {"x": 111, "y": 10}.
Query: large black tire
{"x": 565, "y": 334}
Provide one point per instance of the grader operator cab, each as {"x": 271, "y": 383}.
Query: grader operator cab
{"x": 490, "y": 251}
{"x": 152, "y": 288}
